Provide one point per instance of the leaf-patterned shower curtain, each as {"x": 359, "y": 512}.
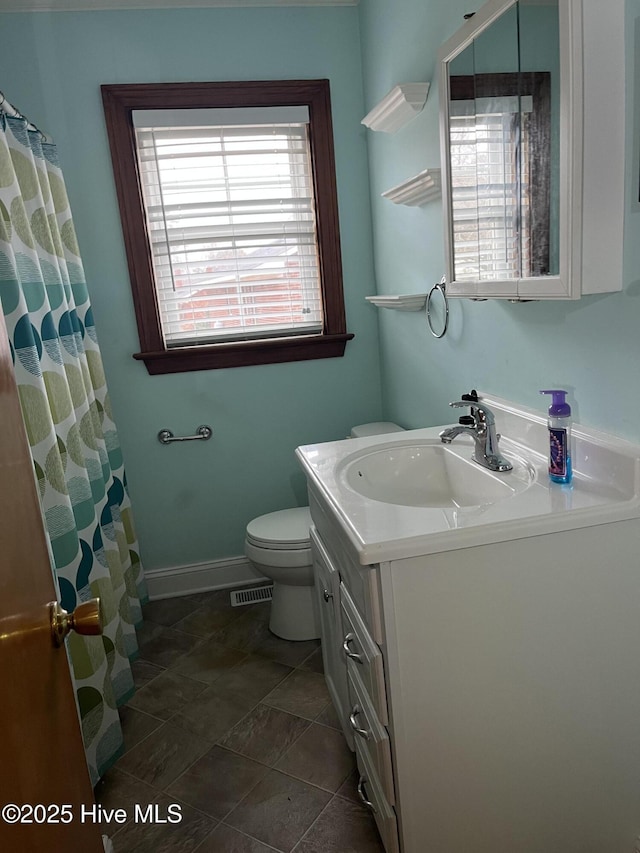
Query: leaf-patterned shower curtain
{"x": 70, "y": 428}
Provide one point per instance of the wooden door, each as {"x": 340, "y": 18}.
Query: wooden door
{"x": 43, "y": 767}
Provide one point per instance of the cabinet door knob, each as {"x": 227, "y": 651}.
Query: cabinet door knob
{"x": 353, "y": 719}
{"x": 353, "y": 655}
{"x": 327, "y": 595}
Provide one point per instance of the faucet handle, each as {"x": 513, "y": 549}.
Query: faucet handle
{"x": 479, "y": 412}
{"x": 470, "y": 399}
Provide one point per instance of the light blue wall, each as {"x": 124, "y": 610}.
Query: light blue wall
{"x": 591, "y": 347}
{"x": 192, "y": 501}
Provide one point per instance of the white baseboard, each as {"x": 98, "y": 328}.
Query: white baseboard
{"x": 200, "y": 577}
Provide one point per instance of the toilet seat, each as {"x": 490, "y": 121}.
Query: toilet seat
{"x": 285, "y": 530}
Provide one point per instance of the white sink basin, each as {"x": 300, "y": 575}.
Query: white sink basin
{"x": 428, "y": 474}
{"x": 406, "y": 497}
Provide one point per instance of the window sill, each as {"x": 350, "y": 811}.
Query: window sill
{"x": 243, "y": 354}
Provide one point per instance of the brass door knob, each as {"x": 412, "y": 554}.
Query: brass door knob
{"x": 85, "y": 619}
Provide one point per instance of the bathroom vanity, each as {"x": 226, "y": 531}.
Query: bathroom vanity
{"x": 481, "y": 636}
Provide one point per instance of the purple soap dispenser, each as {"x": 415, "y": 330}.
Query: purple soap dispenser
{"x": 559, "y": 424}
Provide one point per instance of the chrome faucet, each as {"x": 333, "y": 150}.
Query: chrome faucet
{"x": 481, "y": 426}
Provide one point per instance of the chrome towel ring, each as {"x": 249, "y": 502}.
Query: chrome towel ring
{"x": 441, "y": 288}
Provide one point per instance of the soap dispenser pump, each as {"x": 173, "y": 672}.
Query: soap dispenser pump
{"x": 559, "y": 424}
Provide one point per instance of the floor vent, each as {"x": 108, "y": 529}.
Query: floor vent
{"x": 251, "y": 596}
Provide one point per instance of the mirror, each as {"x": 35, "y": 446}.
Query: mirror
{"x": 501, "y": 148}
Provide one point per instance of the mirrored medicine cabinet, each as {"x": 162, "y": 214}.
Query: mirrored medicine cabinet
{"x": 532, "y": 143}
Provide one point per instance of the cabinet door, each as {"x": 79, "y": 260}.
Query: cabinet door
{"x": 533, "y": 179}
{"x": 327, "y": 588}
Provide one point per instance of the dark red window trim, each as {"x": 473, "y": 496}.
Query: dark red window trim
{"x": 119, "y": 101}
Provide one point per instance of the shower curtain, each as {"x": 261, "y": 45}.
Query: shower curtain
{"x": 69, "y": 424}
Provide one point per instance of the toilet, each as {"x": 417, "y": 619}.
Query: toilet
{"x": 278, "y": 546}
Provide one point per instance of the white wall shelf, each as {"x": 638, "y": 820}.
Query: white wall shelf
{"x": 401, "y": 302}
{"x": 398, "y": 107}
{"x": 422, "y": 188}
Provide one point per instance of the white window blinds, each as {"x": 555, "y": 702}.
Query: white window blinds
{"x": 489, "y": 173}
{"x": 230, "y": 213}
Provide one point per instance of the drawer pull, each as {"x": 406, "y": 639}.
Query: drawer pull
{"x": 363, "y": 794}
{"x": 353, "y": 655}
{"x": 364, "y": 733}
{"x": 327, "y": 595}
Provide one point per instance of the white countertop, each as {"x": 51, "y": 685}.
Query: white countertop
{"x": 605, "y": 489}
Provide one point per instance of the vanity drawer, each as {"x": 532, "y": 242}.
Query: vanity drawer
{"x": 362, "y": 581}
{"x": 368, "y": 729}
{"x": 359, "y": 647}
{"x": 371, "y": 793}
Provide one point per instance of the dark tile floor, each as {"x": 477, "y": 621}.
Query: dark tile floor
{"x": 235, "y": 725}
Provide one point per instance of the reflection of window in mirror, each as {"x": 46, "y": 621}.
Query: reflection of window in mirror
{"x": 500, "y": 140}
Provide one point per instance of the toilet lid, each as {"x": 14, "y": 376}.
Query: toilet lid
{"x": 286, "y": 529}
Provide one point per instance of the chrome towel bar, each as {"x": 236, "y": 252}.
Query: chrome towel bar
{"x": 165, "y": 436}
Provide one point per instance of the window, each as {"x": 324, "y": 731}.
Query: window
{"x": 500, "y": 175}
{"x": 229, "y": 212}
